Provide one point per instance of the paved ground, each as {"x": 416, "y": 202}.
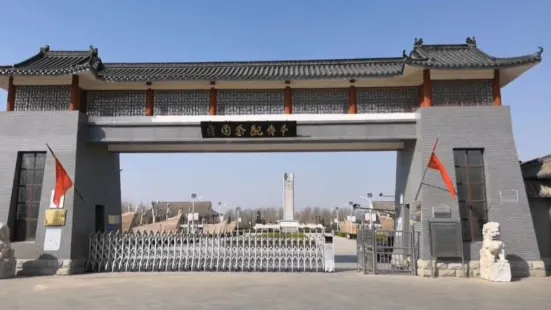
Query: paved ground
{"x": 345, "y": 254}
{"x": 252, "y": 291}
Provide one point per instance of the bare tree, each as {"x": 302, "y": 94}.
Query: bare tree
{"x": 230, "y": 215}
{"x": 127, "y": 206}
{"x": 271, "y": 215}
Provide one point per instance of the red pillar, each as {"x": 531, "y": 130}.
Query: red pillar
{"x": 75, "y": 94}
{"x": 10, "y": 106}
{"x": 149, "y": 102}
{"x": 427, "y": 90}
{"x": 352, "y": 100}
{"x": 288, "y": 100}
{"x": 496, "y": 89}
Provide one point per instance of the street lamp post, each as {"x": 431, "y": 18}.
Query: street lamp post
{"x": 193, "y": 198}
{"x": 337, "y": 217}
{"x": 238, "y": 218}
{"x": 370, "y": 208}
{"x": 221, "y": 206}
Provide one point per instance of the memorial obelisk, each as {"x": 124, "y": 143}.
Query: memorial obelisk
{"x": 288, "y": 224}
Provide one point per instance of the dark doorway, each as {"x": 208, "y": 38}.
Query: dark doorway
{"x": 100, "y": 218}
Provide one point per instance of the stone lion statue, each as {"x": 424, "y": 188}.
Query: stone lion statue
{"x": 493, "y": 265}
{"x": 493, "y": 249}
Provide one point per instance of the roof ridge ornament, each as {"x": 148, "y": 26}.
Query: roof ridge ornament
{"x": 93, "y": 51}
{"x": 404, "y": 54}
{"x": 471, "y": 41}
{"x": 540, "y": 51}
{"x": 418, "y": 42}
{"x": 45, "y": 49}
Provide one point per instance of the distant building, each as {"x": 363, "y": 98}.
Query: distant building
{"x": 386, "y": 208}
{"x": 162, "y": 211}
{"x": 537, "y": 179}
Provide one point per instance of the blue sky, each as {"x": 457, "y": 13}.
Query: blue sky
{"x": 217, "y": 30}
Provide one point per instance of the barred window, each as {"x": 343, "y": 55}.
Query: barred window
{"x": 28, "y": 191}
{"x": 471, "y": 192}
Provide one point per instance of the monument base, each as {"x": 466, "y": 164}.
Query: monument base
{"x": 499, "y": 271}
{"x": 288, "y": 226}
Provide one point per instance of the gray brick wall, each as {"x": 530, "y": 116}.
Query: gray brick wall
{"x": 408, "y": 173}
{"x": 94, "y": 170}
{"x": 478, "y": 127}
{"x": 98, "y": 179}
{"x": 30, "y": 131}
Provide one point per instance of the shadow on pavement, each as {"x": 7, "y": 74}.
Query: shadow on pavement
{"x": 345, "y": 259}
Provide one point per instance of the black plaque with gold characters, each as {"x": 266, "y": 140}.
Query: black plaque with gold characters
{"x": 263, "y": 129}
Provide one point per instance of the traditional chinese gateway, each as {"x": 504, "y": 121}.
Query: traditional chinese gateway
{"x": 88, "y": 111}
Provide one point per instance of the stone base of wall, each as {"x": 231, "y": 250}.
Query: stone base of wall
{"x": 472, "y": 269}
{"x": 42, "y": 267}
{"x": 7, "y": 268}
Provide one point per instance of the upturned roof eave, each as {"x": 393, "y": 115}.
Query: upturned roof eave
{"x": 419, "y": 57}
{"x": 495, "y": 66}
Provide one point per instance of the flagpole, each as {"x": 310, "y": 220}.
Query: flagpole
{"x": 426, "y": 168}
{"x": 74, "y": 185}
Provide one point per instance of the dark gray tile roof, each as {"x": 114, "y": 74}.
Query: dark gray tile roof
{"x": 458, "y": 56}
{"x": 168, "y": 209}
{"x": 204, "y": 208}
{"x": 55, "y": 63}
{"x": 259, "y": 70}
{"x": 464, "y": 56}
{"x": 384, "y": 205}
{"x": 537, "y": 169}
{"x": 538, "y": 189}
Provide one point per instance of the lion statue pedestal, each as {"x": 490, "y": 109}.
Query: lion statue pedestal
{"x": 493, "y": 265}
{"x": 7, "y": 258}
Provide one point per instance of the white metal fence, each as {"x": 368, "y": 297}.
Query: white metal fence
{"x": 386, "y": 251}
{"x": 246, "y": 251}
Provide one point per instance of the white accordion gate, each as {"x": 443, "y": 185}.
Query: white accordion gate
{"x": 249, "y": 251}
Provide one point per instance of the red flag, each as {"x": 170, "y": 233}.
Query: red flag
{"x": 436, "y": 164}
{"x": 62, "y": 182}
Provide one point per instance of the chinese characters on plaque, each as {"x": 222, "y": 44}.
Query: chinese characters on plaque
{"x": 264, "y": 129}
